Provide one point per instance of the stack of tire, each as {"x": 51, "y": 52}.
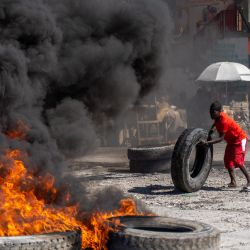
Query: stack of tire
{"x": 149, "y": 159}
{"x": 188, "y": 175}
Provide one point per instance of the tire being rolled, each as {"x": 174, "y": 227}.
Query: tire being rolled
{"x": 163, "y": 233}
{"x": 188, "y": 175}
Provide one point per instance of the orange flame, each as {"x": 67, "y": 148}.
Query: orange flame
{"x": 20, "y": 131}
{"x": 23, "y": 212}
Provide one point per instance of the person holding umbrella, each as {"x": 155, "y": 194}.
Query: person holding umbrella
{"x": 236, "y": 139}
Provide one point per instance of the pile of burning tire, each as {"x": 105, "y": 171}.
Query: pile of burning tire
{"x": 190, "y": 166}
{"x": 134, "y": 233}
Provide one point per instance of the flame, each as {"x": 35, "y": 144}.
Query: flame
{"x": 24, "y": 211}
{"x": 19, "y": 132}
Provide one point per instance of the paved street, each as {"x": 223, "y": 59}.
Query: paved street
{"x": 226, "y": 209}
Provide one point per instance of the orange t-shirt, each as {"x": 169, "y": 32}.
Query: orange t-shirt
{"x": 233, "y": 132}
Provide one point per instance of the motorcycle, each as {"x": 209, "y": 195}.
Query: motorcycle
{"x": 242, "y": 119}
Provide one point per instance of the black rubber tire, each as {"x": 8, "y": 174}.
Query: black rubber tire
{"x": 150, "y": 152}
{"x": 150, "y": 166}
{"x": 162, "y": 233}
{"x": 184, "y": 179}
{"x": 175, "y": 156}
{"x": 64, "y": 240}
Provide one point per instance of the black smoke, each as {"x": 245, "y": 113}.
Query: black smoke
{"x": 67, "y": 65}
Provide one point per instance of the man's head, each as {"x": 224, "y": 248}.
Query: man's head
{"x": 215, "y": 110}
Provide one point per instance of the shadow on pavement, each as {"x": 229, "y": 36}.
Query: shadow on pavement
{"x": 212, "y": 188}
{"x": 155, "y": 190}
{"x": 99, "y": 177}
{"x": 171, "y": 190}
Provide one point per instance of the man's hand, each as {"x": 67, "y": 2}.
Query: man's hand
{"x": 204, "y": 143}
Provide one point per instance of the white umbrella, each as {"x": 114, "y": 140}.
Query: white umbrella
{"x": 225, "y": 72}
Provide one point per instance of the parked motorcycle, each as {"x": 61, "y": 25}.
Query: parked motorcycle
{"x": 242, "y": 119}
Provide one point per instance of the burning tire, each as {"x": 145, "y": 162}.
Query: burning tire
{"x": 191, "y": 162}
{"x": 153, "y": 233}
{"x": 63, "y": 240}
{"x": 148, "y": 159}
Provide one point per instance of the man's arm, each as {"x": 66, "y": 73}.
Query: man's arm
{"x": 211, "y": 131}
{"x": 216, "y": 140}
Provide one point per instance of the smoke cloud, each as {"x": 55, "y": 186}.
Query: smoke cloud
{"x": 67, "y": 65}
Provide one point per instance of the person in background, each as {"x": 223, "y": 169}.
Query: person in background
{"x": 236, "y": 139}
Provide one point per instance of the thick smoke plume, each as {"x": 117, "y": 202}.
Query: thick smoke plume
{"x": 67, "y": 65}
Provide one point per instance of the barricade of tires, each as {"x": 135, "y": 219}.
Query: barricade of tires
{"x": 149, "y": 159}
{"x": 191, "y": 162}
{"x": 154, "y": 233}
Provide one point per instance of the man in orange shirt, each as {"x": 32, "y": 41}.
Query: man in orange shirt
{"x": 236, "y": 139}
